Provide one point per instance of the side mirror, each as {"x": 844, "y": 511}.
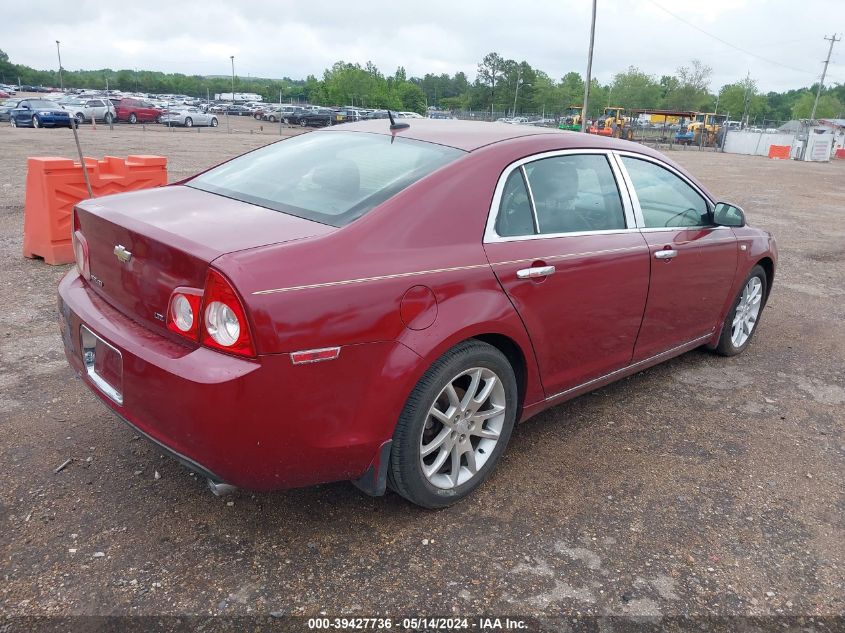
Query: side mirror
{"x": 728, "y": 214}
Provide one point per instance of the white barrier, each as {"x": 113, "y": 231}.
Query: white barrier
{"x": 755, "y": 143}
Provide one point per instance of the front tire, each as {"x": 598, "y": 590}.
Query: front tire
{"x": 133, "y": 118}
{"x": 744, "y": 315}
{"x": 109, "y": 118}
{"x": 35, "y": 121}
{"x": 189, "y": 122}
{"x": 454, "y": 427}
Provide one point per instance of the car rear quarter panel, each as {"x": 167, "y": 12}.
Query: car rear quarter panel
{"x": 346, "y": 288}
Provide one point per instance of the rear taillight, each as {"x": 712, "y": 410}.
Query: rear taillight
{"x": 183, "y": 312}
{"x": 224, "y": 323}
{"x": 80, "y": 249}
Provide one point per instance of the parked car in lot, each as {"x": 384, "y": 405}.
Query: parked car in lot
{"x": 318, "y": 117}
{"x": 6, "y": 107}
{"x": 39, "y": 113}
{"x": 287, "y": 114}
{"x": 469, "y": 275}
{"x": 137, "y": 111}
{"x": 188, "y": 117}
{"x": 90, "y": 109}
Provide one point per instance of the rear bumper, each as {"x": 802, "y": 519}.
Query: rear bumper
{"x": 259, "y": 424}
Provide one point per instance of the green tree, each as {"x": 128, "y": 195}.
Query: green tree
{"x": 634, "y": 89}
{"x": 741, "y": 99}
{"x": 690, "y": 90}
{"x": 490, "y": 71}
{"x": 829, "y": 106}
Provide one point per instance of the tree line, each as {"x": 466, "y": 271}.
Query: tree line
{"x": 500, "y": 85}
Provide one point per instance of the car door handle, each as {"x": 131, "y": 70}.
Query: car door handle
{"x": 535, "y": 271}
{"x": 666, "y": 253}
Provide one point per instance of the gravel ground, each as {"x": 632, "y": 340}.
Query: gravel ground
{"x": 705, "y": 485}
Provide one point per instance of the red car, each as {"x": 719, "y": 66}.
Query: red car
{"x": 382, "y": 305}
{"x": 137, "y": 111}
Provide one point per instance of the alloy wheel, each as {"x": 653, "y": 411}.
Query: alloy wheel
{"x": 747, "y": 311}
{"x": 462, "y": 428}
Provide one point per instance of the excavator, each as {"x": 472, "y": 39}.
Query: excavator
{"x": 571, "y": 119}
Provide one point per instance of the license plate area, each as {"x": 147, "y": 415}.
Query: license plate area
{"x": 103, "y": 364}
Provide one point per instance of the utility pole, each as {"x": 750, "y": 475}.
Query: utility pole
{"x": 228, "y": 127}
{"x": 62, "y": 81}
{"x": 833, "y": 39}
{"x": 516, "y": 92}
{"x": 585, "y": 107}
{"x": 745, "y": 99}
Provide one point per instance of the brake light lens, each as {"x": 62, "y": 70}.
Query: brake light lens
{"x": 225, "y": 326}
{"x": 183, "y": 312}
{"x": 80, "y": 254}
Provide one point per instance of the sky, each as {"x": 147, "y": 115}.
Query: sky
{"x": 779, "y": 42}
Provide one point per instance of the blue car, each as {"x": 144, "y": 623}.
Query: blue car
{"x": 39, "y": 113}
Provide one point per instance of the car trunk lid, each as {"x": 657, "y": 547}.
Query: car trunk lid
{"x": 144, "y": 244}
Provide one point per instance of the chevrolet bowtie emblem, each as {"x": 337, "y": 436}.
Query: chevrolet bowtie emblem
{"x": 121, "y": 253}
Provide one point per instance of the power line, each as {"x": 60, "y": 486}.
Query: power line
{"x": 726, "y": 43}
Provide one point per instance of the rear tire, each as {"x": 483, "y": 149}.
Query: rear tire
{"x": 12, "y": 121}
{"x": 462, "y": 438}
{"x": 271, "y": 118}
{"x": 214, "y": 122}
{"x": 303, "y": 123}
{"x": 133, "y": 118}
{"x": 109, "y": 118}
{"x": 744, "y": 316}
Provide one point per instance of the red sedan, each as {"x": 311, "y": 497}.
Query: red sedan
{"x": 137, "y": 111}
{"x": 382, "y": 305}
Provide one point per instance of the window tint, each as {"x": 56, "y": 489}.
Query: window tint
{"x": 575, "y": 193}
{"x": 665, "y": 199}
{"x": 515, "y": 214}
{"x": 329, "y": 177}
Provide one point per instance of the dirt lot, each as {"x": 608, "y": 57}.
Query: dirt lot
{"x": 704, "y": 486}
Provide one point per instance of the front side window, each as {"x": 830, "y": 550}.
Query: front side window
{"x": 665, "y": 199}
{"x": 328, "y": 177}
{"x": 575, "y": 193}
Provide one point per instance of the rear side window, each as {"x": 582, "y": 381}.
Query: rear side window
{"x": 516, "y": 216}
{"x": 328, "y": 177}
{"x": 665, "y": 199}
{"x": 575, "y": 193}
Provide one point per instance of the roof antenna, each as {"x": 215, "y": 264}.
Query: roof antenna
{"x": 394, "y": 125}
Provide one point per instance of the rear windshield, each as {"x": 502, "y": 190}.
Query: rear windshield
{"x": 328, "y": 177}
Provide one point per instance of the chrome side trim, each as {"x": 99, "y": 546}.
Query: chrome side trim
{"x": 633, "y": 366}
{"x": 362, "y": 280}
{"x": 642, "y": 247}
{"x": 490, "y": 235}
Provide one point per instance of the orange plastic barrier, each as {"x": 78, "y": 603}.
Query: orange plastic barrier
{"x": 779, "y": 151}
{"x": 55, "y": 185}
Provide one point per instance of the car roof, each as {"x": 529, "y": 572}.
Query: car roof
{"x": 472, "y": 135}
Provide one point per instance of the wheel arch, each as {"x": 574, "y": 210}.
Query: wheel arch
{"x": 516, "y": 357}
{"x": 768, "y": 266}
